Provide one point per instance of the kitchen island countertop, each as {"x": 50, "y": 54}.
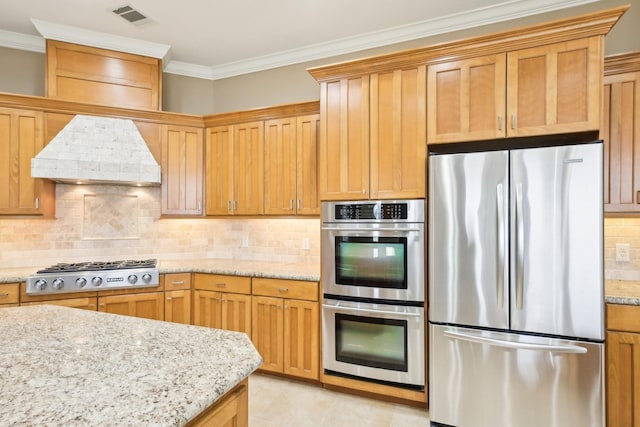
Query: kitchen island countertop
{"x": 64, "y": 366}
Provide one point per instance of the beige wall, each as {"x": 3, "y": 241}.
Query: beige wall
{"x": 23, "y": 72}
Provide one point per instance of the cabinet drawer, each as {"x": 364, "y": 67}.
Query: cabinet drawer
{"x": 176, "y": 281}
{"x": 9, "y": 293}
{"x": 223, "y": 283}
{"x": 296, "y": 289}
{"x": 623, "y": 318}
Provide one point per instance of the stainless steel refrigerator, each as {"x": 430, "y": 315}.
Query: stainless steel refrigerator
{"x": 516, "y": 299}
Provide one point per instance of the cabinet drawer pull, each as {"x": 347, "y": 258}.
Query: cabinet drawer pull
{"x": 228, "y": 205}
{"x": 298, "y": 204}
{"x": 638, "y": 197}
{"x": 290, "y": 204}
{"x": 500, "y": 122}
{"x": 283, "y": 290}
{"x": 221, "y": 285}
{"x": 3, "y": 295}
{"x": 178, "y": 282}
{"x": 91, "y": 306}
{"x": 168, "y": 298}
{"x": 513, "y": 121}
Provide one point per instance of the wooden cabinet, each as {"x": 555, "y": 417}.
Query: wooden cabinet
{"x": 222, "y": 302}
{"x": 177, "y": 297}
{"x": 621, "y": 134}
{"x": 182, "y": 170}
{"x": 85, "y": 303}
{"x": 231, "y": 410}
{"x": 9, "y": 294}
{"x": 373, "y": 136}
{"x": 149, "y": 305}
{"x": 286, "y": 326}
{"x": 623, "y": 365}
{"x": 290, "y": 166}
{"x": 21, "y": 138}
{"x": 234, "y": 162}
{"x": 548, "y": 89}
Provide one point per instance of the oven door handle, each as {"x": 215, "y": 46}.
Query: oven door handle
{"x": 365, "y": 310}
{"x": 368, "y": 230}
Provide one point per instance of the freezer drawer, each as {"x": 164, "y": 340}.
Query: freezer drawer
{"x": 490, "y": 379}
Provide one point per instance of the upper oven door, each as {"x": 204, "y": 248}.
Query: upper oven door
{"x": 374, "y": 260}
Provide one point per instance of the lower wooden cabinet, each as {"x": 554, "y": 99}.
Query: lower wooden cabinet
{"x": 9, "y": 294}
{"x": 177, "y": 297}
{"x": 149, "y": 305}
{"x": 222, "y": 302}
{"x": 285, "y": 326}
{"x": 87, "y": 303}
{"x": 623, "y": 365}
{"x": 232, "y": 410}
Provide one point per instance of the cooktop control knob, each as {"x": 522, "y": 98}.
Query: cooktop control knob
{"x": 132, "y": 278}
{"x": 58, "y": 283}
{"x": 146, "y": 277}
{"x": 40, "y": 284}
{"x": 81, "y": 282}
{"x": 96, "y": 281}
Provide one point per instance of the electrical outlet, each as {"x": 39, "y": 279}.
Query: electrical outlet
{"x": 623, "y": 252}
{"x": 245, "y": 241}
{"x": 305, "y": 243}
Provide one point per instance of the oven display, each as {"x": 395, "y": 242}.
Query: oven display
{"x": 371, "y": 261}
{"x": 375, "y": 342}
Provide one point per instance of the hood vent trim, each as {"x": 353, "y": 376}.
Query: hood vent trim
{"x": 97, "y": 150}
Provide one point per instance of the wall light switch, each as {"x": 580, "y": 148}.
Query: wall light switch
{"x": 623, "y": 252}
{"x": 305, "y": 243}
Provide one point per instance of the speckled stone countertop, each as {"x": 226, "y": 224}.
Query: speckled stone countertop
{"x": 276, "y": 270}
{"x": 622, "y": 292}
{"x": 67, "y": 367}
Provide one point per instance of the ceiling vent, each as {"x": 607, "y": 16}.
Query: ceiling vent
{"x": 132, "y": 15}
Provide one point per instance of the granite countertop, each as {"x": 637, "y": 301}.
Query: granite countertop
{"x": 622, "y": 292}
{"x": 276, "y": 270}
{"x": 64, "y": 366}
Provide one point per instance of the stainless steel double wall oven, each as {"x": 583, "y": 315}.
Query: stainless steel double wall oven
{"x": 373, "y": 284}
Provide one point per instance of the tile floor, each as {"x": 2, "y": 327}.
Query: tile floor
{"x": 277, "y": 402}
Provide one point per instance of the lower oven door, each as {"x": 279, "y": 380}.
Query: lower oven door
{"x": 376, "y": 342}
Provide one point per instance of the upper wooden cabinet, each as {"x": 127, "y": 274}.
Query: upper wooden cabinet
{"x": 182, "y": 170}
{"x": 621, "y": 133}
{"x": 542, "y": 90}
{"x": 290, "y": 170}
{"x": 21, "y": 138}
{"x": 373, "y": 136}
{"x": 234, "y": 163}
{"x": 100, "y": 76}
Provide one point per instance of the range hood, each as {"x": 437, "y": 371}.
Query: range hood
{"x": 97, "y": 150}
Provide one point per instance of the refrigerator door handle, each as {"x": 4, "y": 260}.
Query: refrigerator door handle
{"x": 519, "y": 214}
{"x": 501, "y": 245}
{"x": 516, "y": 345}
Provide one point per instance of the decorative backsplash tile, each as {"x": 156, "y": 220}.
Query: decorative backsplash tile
{"x": 82, "y": 231}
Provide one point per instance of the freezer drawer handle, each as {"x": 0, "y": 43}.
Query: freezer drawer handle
{"x": 364, "y": 310}
{"x": 516, "y": 345}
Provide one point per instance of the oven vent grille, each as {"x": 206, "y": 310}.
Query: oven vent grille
{"x": 131, "y": 15}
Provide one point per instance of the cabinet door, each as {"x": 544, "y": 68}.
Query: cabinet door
{"x": 623, "y": 383}
{"x": 621, "y": 134}
{"x": 466, "y": 99}
{"x": 301, "y": 338}
{"x": 219, "y": 170}
{"x": 182, "y": 170}
{"x": 398, "y": 140}
{"x": 555, "y": 88}
{"x": 88, "y": 303}
{"x": 207, "y": 309}
{"x": 343, "y": 155}
{"x": 248, "y": 168}
{"x": 308, "y": 130}
{"x": 280, "y": 166}
{"x": 21, "y": 138}
{"x": 236, "y": 312}
{"x": 148, "y": 305}
{"x": 177, "y": 306}
{"x": 267, "y": 331}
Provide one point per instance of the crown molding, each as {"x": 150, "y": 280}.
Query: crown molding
{"x": 65, "y": 33}
{"x": 507, "y": 10}
{"x": 22, "y": 41}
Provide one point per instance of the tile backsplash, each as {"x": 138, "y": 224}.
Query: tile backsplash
{"x": 624, "y": 231}
{"x": 101, "y": 222}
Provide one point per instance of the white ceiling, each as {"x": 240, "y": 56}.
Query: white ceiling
{"x": 221, "y": 38}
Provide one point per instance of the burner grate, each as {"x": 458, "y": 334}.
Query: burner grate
{"x": 99, "y": 266}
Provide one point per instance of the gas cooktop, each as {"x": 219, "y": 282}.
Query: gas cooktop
{"x": 93, "y": 276}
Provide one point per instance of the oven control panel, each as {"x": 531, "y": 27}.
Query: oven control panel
{"x": 390, "y": 211}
